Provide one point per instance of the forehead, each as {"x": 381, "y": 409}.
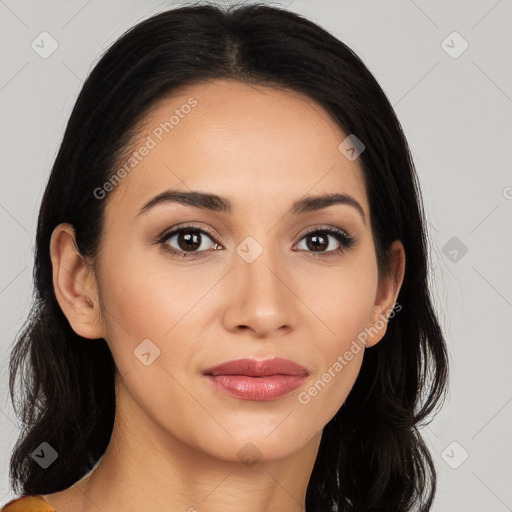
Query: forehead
{"x": 249, "y": 143}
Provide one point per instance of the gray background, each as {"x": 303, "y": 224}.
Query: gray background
{"x": 456, "y": 113}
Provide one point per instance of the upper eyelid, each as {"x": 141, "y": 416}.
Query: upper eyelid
{"x": 174, "y": 230}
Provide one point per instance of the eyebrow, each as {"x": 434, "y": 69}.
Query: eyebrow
{"x": 215, "y": 203}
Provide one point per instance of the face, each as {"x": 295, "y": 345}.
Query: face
{"x": 185, "y": 287}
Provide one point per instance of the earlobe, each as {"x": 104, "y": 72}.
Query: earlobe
{"x": 387, "y": 294}
{"x": 74, "y": 283}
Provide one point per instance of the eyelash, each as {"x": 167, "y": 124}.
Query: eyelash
{"x": 346, "y": 241}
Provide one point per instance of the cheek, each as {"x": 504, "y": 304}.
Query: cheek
{"x": 343, "y": 299}
{"x": 134, "y": 309}
{"x": 327, "y": 390}
{"x": 339, "y": 355}
{"x": 343, "y": 317}
{"x": 151, "y": 300}
{"x": 146, "y": 298}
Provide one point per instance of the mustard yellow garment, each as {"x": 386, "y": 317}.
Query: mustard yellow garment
{"x": 28, "y": 504}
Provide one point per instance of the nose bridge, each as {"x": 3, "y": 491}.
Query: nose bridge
{"x": 262, "y": 299}
{"x": 258, "y": 263}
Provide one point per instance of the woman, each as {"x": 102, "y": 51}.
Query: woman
{"x": 232, "y": 306}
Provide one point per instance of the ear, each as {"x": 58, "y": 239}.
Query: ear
{"x": 74, "y": 283}
{"x": 387, "y": 293}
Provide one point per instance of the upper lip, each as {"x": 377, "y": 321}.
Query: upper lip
{"x": 258, "y": 368}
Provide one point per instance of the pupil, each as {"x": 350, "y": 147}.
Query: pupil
{"x": 191, "y": 241}
{"x": 315, "y": 244}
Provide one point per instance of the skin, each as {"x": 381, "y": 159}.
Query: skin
{"x": 176, "y": 441}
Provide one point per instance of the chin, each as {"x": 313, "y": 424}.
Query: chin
{"x": 257, "y": 445}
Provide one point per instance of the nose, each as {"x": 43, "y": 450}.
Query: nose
{"x": 260, "y": 297}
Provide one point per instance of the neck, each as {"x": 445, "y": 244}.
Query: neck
{"x": 147, "y": 468}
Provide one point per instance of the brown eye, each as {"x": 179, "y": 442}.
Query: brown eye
{"x": 187, "y": 241}
{"x": 318, "y": 241}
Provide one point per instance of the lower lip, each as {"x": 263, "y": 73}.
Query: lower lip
{"x": 257, "y": 388}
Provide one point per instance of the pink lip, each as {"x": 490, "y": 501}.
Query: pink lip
{"x": 250, "y": 379}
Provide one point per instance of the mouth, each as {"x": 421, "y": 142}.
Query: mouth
{"x": 250, "y": 379}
